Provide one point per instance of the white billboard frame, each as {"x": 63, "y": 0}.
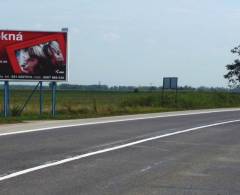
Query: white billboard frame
{"x": 63, "y": 30}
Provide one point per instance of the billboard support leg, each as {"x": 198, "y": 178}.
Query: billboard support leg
{"x": 54, "y": 87}
{"x": 41, "y": 96}
{"x": 6, "y": 98}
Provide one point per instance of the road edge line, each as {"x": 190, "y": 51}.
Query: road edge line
{"x": 113, "y": 121}
{"x": 82, "y": 156}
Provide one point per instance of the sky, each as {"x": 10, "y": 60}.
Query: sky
{"x": 137, "y": 42}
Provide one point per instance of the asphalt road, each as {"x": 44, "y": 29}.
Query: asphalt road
{"x": 205, "y": 161}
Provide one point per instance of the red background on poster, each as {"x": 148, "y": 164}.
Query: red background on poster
{"x": 29, "y": 38}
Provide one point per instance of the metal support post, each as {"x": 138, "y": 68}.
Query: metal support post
{"x": 176, "y": 98}
{"x": 162, "y": 98}
{"x": 41, "y": 96}
{"x": 6, "y": 98}
{"x": 54, "y": 87}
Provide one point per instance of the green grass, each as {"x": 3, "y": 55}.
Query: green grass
{"x": 77, "y": 104}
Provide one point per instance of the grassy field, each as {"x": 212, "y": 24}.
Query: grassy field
{"x": 77, "y": 104}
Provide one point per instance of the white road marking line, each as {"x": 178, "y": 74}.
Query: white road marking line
{"x": 67, "y": 160}
{"x": 115, "y": 121}
{"x": 146, "y": 169}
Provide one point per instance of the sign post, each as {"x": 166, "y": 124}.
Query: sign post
{"x": 170, "y": 83}
{"x": 41, "y": 97}
{"x": 6, "y": 98}
{"x": 54, "y": 87}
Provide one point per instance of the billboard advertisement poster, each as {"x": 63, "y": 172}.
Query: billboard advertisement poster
{"x": 33, "y": 55}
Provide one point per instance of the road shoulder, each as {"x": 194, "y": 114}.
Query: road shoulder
{"x": 53, "y": 124}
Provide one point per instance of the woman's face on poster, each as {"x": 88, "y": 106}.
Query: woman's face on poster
{"x": 31, "y": 65}
{"x": 27, "y": 63}
{"x": 22, "y": 57}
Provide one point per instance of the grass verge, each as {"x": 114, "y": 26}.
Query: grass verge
{"x": 76, "y": 104}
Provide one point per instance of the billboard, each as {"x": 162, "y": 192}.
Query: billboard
{"x": 33, "y": 55}
{"x": 170, "y": 83}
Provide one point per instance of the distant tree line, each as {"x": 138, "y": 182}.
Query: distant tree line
{"x": 122, "y": 88}
{"x": 138, "y": 88}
